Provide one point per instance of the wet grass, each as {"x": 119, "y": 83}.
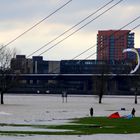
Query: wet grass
{"x": 83, "y": 126}
{"x": 98, "y": 125}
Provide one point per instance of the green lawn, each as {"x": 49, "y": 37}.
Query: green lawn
{"x": 83, "y": 126}
{"x": 94, "y": 125}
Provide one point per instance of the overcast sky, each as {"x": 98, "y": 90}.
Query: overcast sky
{"x": 16, "y": 16}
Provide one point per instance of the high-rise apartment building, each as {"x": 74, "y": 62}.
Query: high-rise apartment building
{"x": 111, "y": 43}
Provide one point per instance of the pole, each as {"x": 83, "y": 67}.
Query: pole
{"x": 136, "y": 96}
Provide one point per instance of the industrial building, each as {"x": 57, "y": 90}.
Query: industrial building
{"x": 73, "y": 75}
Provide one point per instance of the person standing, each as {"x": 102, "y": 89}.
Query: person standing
{"x": 64, "y": 96}
{"x": 91, "y": 111}
{"x": 133, "y": 112}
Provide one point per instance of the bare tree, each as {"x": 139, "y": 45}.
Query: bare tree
{"x": 135, "y": 87}
{"x": 100, "y": 82}
{"x": 5, "y": 80}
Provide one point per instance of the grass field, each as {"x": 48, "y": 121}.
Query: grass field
{"x": 98, "y": 125}
{"x": 83, "y": 126}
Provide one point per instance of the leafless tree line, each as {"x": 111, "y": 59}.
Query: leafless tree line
{"x": 6, "y": 82}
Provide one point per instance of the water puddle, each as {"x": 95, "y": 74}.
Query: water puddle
{"x": 19, "y": 128}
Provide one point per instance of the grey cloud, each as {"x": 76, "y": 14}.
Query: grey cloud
{"x": 19, "y": 9}
{"x": 31, "y": 11}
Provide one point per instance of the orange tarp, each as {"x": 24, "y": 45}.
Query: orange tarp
{"x": 114, "y": 115}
